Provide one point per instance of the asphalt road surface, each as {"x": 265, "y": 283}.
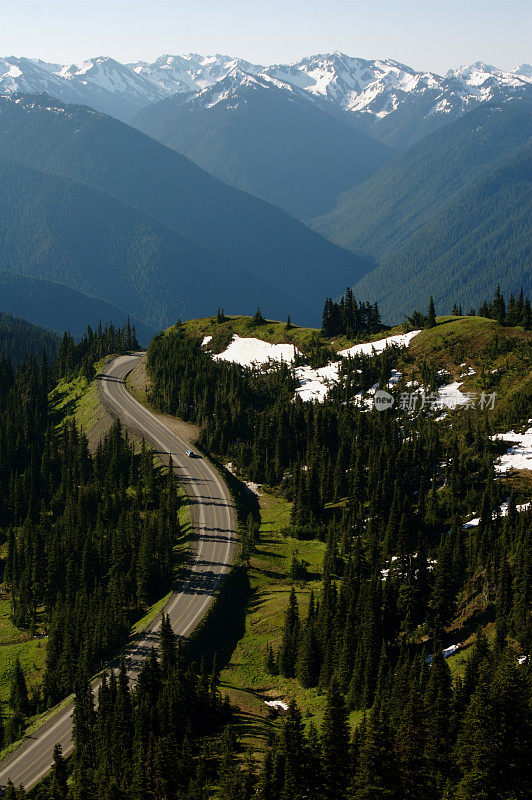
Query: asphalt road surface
{"x": 212, "y": 551}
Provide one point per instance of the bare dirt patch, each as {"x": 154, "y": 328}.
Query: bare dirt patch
{"x": 102, "y": 426}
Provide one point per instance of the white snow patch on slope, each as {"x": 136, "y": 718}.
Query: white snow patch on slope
{"x": 314, "y": 384}
{"x": 374, "y": 348}
{"x": 256, "y": 353}
{"x": 519, "y": 455}
{"x": 278, "y": 705}
{"x": 503, "y": 512}
{"x": 450, "y": 396}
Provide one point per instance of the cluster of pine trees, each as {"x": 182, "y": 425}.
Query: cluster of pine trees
{"x": 73, "y": 357}
{"x": 350, "y": 317}
{"x": 423, "y": 735}
{"x": 20, "y": 339}
{"x": 353, "y": 632}
{"x": 144, "y": 742}
{"x": 511, "y": 313}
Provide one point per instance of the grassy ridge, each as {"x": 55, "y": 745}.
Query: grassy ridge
{"x": 501, "y": 358}
{"x": 272, "y": 331}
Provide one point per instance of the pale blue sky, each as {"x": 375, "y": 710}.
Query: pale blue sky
{"x": 422, "y": 33}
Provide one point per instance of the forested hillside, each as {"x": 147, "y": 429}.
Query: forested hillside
{"x": 59, "y": 308}
{"x": 20, "y": 339}
{"x": 254, "y": 249}
{"x": 88, "y": 540}
{"x": 479, "y": 238}
{"x": 48, "y": 225}
{"x": 412, "y": 188}
{"x": 448, "y": 216}
{"x": 425, "y": 551}
{"x": 405, "y": 576}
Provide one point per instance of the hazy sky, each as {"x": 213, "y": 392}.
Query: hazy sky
{"x": 422, "y": 33}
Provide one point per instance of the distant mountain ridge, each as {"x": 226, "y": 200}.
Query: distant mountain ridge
{"x": 449, "y": 218}
{"x": 276, "y": 144}
{"x": 122, "y": 217}
{"x": 376, "y": 92}
{"x": 59, "y": 308}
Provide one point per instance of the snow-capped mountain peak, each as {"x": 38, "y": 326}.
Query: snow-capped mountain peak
{"x": 372, "y": 90}
{"x": 480, "y": 74}
{"x": 232, "y": 90}
{"x": 523, "y": 70}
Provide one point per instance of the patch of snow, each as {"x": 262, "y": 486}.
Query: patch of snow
{"x": 206, "y": 340}
{"x": 395, "y": 377}
{"x": 448, "y": 651}
{"x": 521, "y": 659}
{"x": 250, "y": 352}
{"x": 450, "y": 396}
{"x": 468, "y": 373}
{"x": 519, "y": 508}
{"x": 374, "y": 348}
{"x": 314, "y": 384}
{"x": 473, "y": 523}
{"x": 519, "y": 455}
{"x": 278, "y": 705}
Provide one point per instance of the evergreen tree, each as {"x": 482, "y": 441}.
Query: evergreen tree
{"x": 290, "y": 639}
{"x": 18, "y": 696}
{"x": 167, "y": 644}
{"x": 431, "y": 319}
{"x": 335, "y": 746}
{"x": 59, "y": 785}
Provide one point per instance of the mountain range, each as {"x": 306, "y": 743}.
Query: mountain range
{"x": 91, "y": 203}
{"x": 276, "y": 144}
{"x": 394, "y": 102}
{"x": 408, "y": 184}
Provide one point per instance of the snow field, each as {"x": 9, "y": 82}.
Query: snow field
{"x": 314, "y": 384}
{"x": 519, "y": 454}
{"x": 256, "y": 353}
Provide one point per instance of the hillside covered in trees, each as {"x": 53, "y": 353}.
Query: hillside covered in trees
{"x": 88, "y": 540}
{"x": 68, "y": 171}
{"x": 448, "y": 217}
{"x": 20, "y": 339}
{"x": 407, "y": 571}
{"x": 390, "y": 495}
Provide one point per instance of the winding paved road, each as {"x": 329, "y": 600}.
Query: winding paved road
{"x": 212, "y": 552}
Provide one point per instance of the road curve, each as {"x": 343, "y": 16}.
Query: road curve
{"x": 213, "y": 550}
